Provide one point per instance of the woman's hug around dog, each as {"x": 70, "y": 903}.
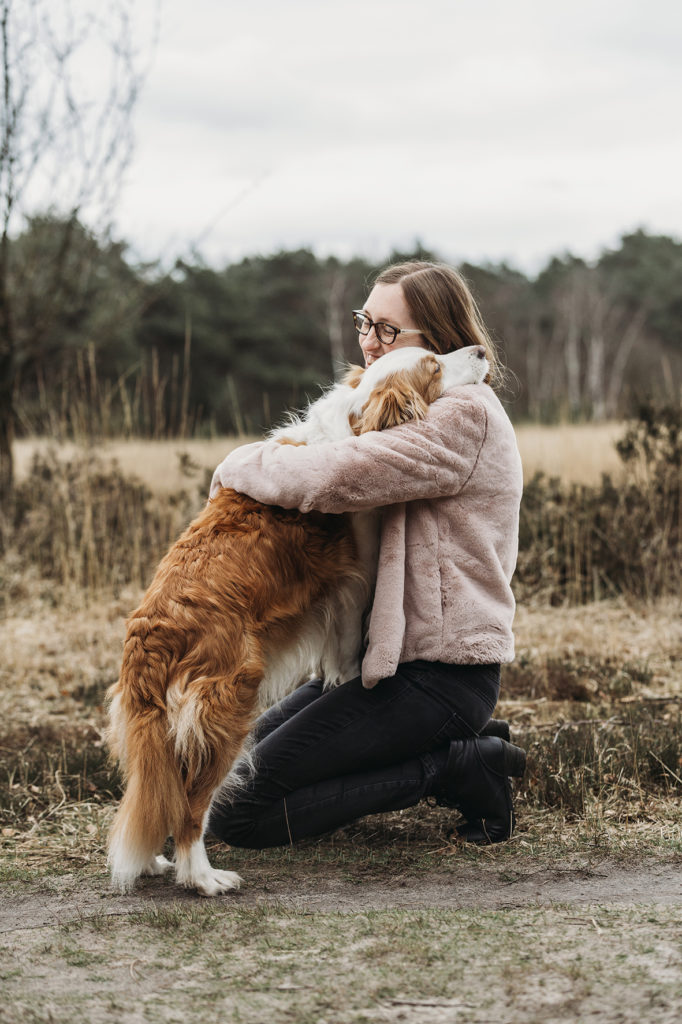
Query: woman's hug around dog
{"x": 250, "y": 602}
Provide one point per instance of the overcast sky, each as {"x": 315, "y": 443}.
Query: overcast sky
{"x": 489, "y": 129}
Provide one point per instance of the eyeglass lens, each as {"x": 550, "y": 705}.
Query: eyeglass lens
{"x": 384, "y": 332}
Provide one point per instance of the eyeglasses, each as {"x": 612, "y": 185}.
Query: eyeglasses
{"x": 386, "y": 333}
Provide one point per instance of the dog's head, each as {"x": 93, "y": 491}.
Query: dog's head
{"x": 401, "y": 385}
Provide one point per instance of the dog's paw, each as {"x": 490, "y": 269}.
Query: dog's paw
{"x": 212, "y": 882}
{"x": 157, "y": 866}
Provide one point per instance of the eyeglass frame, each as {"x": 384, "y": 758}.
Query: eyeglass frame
{"x": 381, "y": 323}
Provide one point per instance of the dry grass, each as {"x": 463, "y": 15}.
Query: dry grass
{"x": 595, "y": 692}
{"x": 80, "y": 518}
{"x": 50, "y": 650}
{"x": 645, "y": 638}
{"x": 59, "y": 659}
{"x": 577, "y": 453}
{"x": 57, "y": 792}
{"x": 163, "y": 465}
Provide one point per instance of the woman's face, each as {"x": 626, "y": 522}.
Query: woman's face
{"x": 386, "y": 303}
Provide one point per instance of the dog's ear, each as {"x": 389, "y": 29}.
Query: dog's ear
{"x": 392, "y": 402}
{"x": 353, "y": 376}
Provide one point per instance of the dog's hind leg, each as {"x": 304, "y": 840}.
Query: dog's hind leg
{"x": 210, "y": 752}
{"x": 210, "y": 728}
{"x": 153, "y": 806}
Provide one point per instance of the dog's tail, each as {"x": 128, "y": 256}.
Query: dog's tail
{"x": 154, "y": 804}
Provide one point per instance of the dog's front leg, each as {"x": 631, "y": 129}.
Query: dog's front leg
{"x": 193, "y": 868}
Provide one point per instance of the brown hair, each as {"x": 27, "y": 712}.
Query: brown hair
{"x": 443, "y": 309}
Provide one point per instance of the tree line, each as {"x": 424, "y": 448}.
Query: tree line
{"x": 105, "y": 346}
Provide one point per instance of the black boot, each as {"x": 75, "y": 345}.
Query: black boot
{"x": 476, "y": 782}
{"x": 497, "y": 727}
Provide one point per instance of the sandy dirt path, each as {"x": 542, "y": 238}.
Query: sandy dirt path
{"x": 68, "y": 898}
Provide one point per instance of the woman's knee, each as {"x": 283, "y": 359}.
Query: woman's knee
{"x": 247, "y": 829}
{"x": 230, "y": 825}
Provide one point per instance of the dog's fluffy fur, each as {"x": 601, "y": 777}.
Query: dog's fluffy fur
{"x": 251, "y": 599}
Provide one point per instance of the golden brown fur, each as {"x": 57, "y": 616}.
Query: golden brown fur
{"x": 237, "y": 583}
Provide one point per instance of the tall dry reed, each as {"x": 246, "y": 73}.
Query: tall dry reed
{"x": 82, "y": 523}
{"x": 148, "y": 399}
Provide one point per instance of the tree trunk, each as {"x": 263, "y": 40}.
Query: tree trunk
{"x": 618, "y": 364}
{"x": 7, "y": 362}
{"x": 337, "y": 290}
{"x": 6, "y": 422}
{"x": 596, "y": 376}
{"x": 572, "y": 357}
{"x": 7, "y": 376}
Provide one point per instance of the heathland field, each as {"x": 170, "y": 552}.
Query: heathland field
{"x": 577, "y": 917}
{"x": 577, "y": 453}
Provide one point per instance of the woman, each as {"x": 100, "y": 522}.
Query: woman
{"x": 414, "y": 724}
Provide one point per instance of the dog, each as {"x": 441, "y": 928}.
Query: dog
{"x": 248, "y": 603}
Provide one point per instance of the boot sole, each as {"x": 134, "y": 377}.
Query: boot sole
{"x": 487, "y": 831}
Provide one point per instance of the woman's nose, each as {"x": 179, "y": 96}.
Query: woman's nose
{"x": 369, "y": 341}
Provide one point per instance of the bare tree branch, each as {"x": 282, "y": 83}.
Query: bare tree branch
{"x": 71, "y": 75}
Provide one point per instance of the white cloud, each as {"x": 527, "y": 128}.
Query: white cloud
{"x": 489, "y": 130}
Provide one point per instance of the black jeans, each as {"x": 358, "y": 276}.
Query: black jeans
{"x": 325, "y": 758}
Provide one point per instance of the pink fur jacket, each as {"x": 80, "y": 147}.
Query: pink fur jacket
{"x": 449, "y": 487}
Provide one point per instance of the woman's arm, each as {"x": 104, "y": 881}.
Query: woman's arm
{"x": 425, "y": 459}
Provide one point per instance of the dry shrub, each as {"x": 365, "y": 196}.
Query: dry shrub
{"x": 620, "y": 761}
{"x": 582, "y": 543}
{"x": 42, "y": 767}
{"x": 84, "y": 523}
